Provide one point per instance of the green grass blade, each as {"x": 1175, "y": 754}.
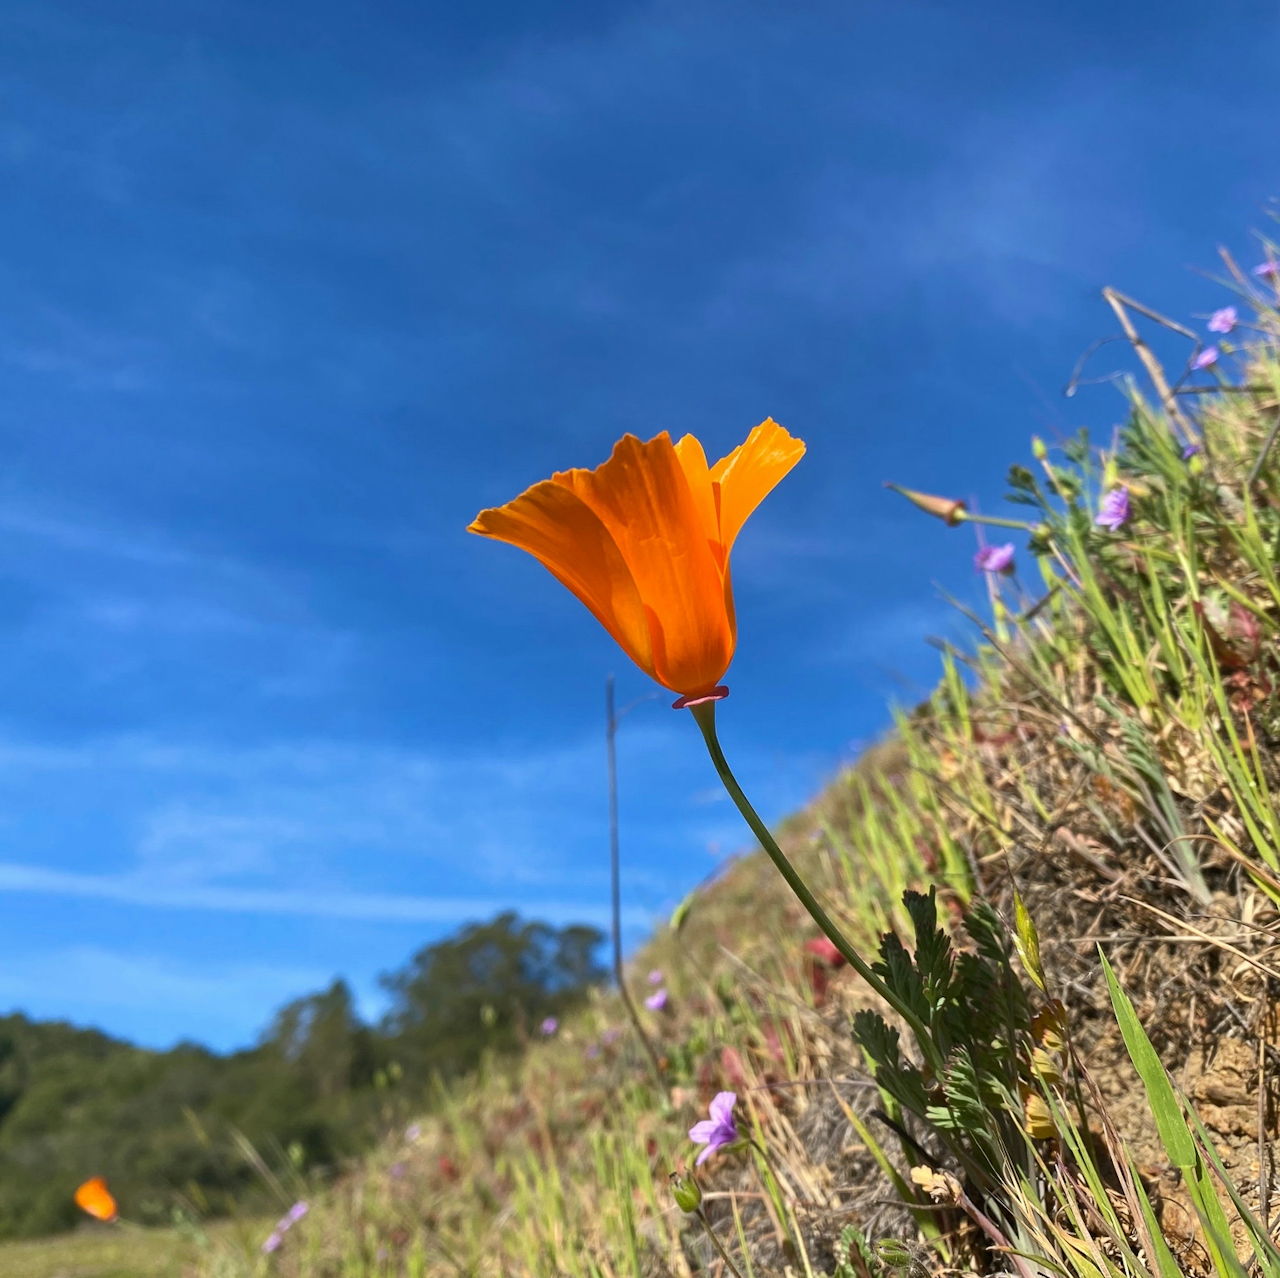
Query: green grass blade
{"x": 1174, "y": 1133}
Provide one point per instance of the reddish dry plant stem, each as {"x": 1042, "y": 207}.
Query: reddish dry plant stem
{"x": 611, "y": 730}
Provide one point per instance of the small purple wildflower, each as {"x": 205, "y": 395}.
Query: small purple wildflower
{"x": 718, "y": 1130}
{"x": 655, "y": 977}
{"x": 1206, "y": 359}
{"x": 412, "y": 1132}
{"x": 656, "y": 1001}
{"x": 396, "y": 1171}
{"x": 994, "y": 558}
{"x": 296, "y": 1212}
{"x": 1114, "y": 510}
{"x": 1224, "y": 320}
{"x": 549, "y": 1026}
{"x": 1267, "y": 271}
{"x": 272, "y": 1241}
{"x": 1191, "y": 450}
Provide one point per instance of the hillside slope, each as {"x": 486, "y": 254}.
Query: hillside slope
{"x": 1098, "y": 771}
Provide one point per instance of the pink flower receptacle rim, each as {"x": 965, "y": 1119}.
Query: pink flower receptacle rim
{"x": 716, "y": 694}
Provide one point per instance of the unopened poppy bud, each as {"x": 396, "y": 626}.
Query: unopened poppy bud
{"x": 1038, "y": 449}
{"x": 686, "y": 1192}
{"x": 949, "y": 509}
{"x": 894, "y": 1254}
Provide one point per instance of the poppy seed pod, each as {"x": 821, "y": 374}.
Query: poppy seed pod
{"x": 687, "y": 1193}
{"x": 949, "y": 509}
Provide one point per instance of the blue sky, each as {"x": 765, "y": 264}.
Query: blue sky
{"x": 289, "y": 291}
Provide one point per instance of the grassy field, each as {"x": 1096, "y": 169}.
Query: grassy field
{"x": 102, "y": 1253}
{"x": 113, "y": 1252}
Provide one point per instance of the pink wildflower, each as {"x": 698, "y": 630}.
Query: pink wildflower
{"x": 1224, "y": 320}
{"x": 718, "y": 1130}
{"x": 995, "y": 559}
{"x": 1114, "y": 510}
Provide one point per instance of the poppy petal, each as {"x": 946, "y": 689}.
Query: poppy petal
{"x": 706, "y": 496}
{"x": 559, "y": 530}
{"x": 642, "y": 496}
{"x": 751, "y": 472}
{"x": 95, "y": 1198}
{"x": 693, "y": 461}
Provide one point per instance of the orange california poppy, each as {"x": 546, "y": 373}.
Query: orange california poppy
{"x": 95, "y": 1198}
{"x": 644, "y": 542}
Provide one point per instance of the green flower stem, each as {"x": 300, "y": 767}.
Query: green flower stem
{"x": 719, "y": 1246}
{"x": 968, "y": 517}
{"x": 705, "y": 716}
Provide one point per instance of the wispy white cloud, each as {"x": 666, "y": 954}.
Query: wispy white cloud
{"x": 999, "y": 201}
{"x": 97, "y": 539}
{"x": 358, "y": 906}
{"x": 321, "y": 829}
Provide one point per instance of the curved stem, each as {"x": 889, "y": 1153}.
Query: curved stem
{"x": 705, "y": 716}
{"x": 995, "y": 521}
{"x": 719, "y": 1246}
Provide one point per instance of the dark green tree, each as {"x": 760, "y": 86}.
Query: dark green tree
{"x": 75, "y": 1103}
{"x": 486, "y": 988}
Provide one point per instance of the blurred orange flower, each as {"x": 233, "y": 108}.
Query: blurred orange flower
{"x": 95, "y": 1198}
{"x": 644, "y": 542}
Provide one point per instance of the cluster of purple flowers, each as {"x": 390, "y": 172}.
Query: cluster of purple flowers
{"x": 283, "y": 1225}
{"x": 549, "y": 1026}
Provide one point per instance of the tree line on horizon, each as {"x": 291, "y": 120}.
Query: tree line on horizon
{"x": 319, "y": 1087}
